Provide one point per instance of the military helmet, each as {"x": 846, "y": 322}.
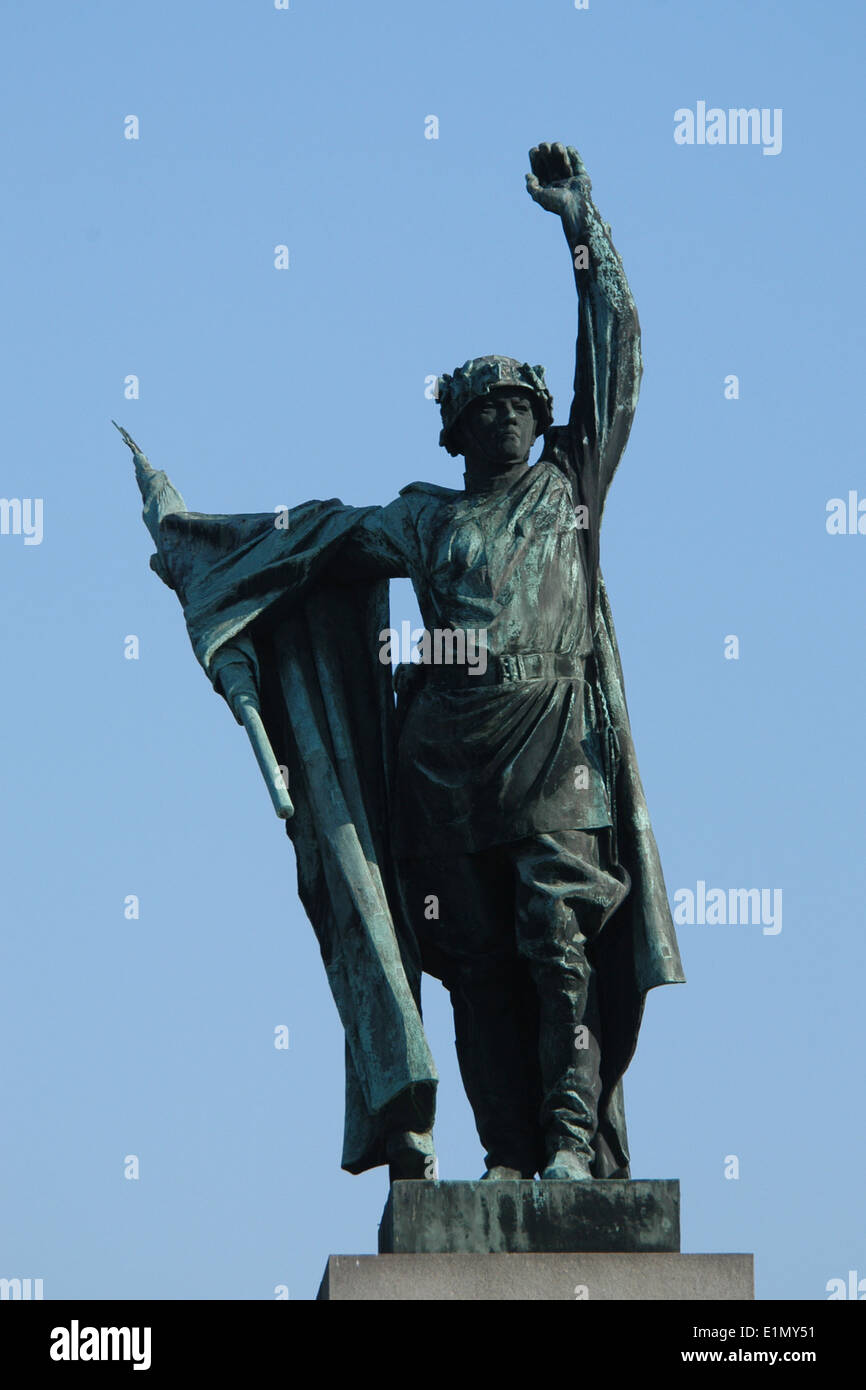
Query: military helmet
{"x": 478, "y": 377}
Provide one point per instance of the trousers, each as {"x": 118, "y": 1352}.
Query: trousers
{"x": 509, "y": 932}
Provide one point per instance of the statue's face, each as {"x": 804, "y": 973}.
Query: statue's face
{"x": 500, "y": 427}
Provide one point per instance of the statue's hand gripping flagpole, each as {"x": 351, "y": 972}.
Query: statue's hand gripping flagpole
{"x": 237, "y": 681}
{"x": 233, "y": 665}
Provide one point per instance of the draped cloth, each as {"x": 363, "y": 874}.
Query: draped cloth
{"x": 328, "y": 708}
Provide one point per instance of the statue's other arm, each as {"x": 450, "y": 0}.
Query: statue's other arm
{"x": 608, "y": 364}
{"x": 380, "y": 545}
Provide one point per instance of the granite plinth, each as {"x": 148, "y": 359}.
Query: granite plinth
{"x": 531, "y": 1278}
{"x": 511, "y": 1217}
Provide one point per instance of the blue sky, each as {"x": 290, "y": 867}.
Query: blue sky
{"x": 261, "y": 388}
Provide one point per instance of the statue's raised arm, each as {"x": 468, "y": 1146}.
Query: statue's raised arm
{"x": 608, "y": 363}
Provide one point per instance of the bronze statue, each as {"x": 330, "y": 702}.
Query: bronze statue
{"x": 491, "y": 829}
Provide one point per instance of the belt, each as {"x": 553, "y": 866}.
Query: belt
{"x": 508, "y": 668}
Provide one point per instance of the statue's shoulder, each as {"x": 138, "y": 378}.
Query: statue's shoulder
{"x": 422, "y": 490}
{"x": 431, "y": 488}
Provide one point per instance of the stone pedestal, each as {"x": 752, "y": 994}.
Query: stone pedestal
{"x": 484, "y": 1218}
{"x": 533, "y": 1278}
{"x": 552, "y": 1241}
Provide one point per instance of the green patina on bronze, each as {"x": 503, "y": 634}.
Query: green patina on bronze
{"x": 509, "y": 797}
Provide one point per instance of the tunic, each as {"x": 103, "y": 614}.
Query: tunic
{"x": 482, "y": 764}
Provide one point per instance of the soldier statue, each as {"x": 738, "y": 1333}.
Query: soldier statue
{"x": 488, "y": 828}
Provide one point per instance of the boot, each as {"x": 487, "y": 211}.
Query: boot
{"x": 565, "y": 1165}
{"x": 410, "y": 1155}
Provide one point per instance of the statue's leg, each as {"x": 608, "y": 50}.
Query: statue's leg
{"x": 563, "y": 896}
{"x": 471, "y": 946}
{"x": 495, "y": 1028}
